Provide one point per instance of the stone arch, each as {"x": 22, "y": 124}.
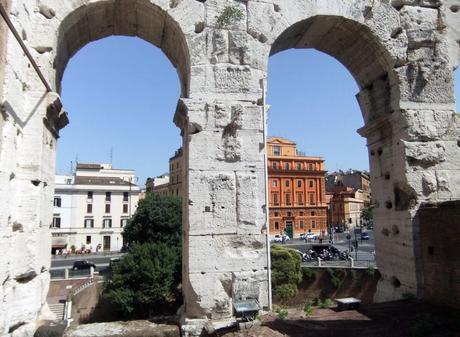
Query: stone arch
{"x": 140, "y": 18}
{"x": 368, "y": 52}
{"x": 355, "y": 46}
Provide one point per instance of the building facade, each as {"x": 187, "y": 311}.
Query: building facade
{"x": 296, "y": 184}
{"x": 346, "y": 206}
{"x": 91, "y": 207}
{"x": 176, "y": 173}
{"x": 158, "y": 185}
{"x": 358, "y": 180}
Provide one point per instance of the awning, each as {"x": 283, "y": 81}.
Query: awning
{"x": 58, "y": 242}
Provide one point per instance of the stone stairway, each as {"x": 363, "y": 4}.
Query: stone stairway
{"x": 58, "y": 310}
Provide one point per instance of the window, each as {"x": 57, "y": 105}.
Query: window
{"x": 125, "y": 208}
{"x": 301, "y": 224}
{"x": 312, "y": 213}
{"x": 276, "y": 214}
{"x": 288, "y": 199}
{"x": 107, "y": 208}
{"x": 108, "y": 196}
{"x": 274, "y": 165}
{"x": 299, "y": 166}
{"x": 275, "y": 183}
{"x": 177, "y": 165}
{"x": 289, "y": 214}
{"x": 107, "y": 223}
{"x": 123, "y": 222}
{"x": 313, "y": 224}
{"x": 287, "y": 166}
{"x": 277, "y": 225}
{"x": 276, "y": 150}
{"x": 275, "y": 198}
{"x": 125, "y": 196}
{"x": 57, "y": 202}
{"x": 299, "y": 183}
{"x": 300, "y": 213}
{"x": 311, "y": 182}
{"x": 286, "y": 183}
{"x": 89, "y": 208}
{"x": 56, "y": 222}
{"x": 300, "y": 198}
{"x": 90, "y": 195}
{"x": 88, "y": 239}
{"x": 312, "y": 198}
{"x": 310, "y": 167}
{"x": 89, "y": 223}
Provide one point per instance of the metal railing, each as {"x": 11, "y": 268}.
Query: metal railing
{"x": 351, "y": 263}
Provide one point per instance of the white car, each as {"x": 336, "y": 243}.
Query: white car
{"x": 279, "y": 238}
{"x": 310, "y": 236}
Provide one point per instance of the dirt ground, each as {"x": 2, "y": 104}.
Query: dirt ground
{"x": 394, "y": 319}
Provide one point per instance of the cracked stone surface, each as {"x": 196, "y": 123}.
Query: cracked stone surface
{"x": 402, "y": 53}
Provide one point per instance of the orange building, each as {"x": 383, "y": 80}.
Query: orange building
{"x": 297, "y": 193}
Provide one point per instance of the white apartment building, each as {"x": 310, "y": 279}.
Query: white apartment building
{"x": 92, "y": 206}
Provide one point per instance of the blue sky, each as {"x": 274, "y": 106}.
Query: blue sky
{"x": 121, "y": 94}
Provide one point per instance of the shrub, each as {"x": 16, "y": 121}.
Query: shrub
{"x": 286, "y": 272}
{"x": 333, "y": 276}
{"x": 308, "y": 309}
{"x": 282, "y": 313}
{"x": 229, "y": 15}
{"x": 326, "y": 303}
{"x": 308, "y": 273}
{"x": 285, "y": 292}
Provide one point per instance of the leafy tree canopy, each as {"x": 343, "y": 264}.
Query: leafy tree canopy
{"x": 144, "y": 279}
{"x": 366, "y": 213}
{"x": 157, "y": 219}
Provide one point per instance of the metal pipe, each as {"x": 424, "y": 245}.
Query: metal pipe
{"x": 267, "y": 210}
{"x": 24, "y": 48}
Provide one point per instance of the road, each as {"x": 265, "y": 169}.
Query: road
{"x": 99, "y": 260}
{"x": 365, "y": 247}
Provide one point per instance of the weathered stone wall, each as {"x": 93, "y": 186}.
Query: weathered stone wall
{"x": 440, "y": 242}
{"x": 402, "y": 54}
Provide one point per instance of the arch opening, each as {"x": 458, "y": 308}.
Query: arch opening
{"x": 138, "y": 18}
{"x": 355, "y": 46}
{"x": 367, "y": 60}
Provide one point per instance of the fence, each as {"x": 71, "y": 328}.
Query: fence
{"x": 69, "y": 273}
{"x": 351, "y": 263}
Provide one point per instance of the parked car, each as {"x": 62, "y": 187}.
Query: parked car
{"x": 302, "y": 236}
{"x": 83, "y": 264}
{"x": 279, "y": 238}
{"x": 310, "y": 236}
{"x": 365, "y": 236}
{"x": 339, "y": 229}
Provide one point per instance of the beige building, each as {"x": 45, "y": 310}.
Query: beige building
{"x": 176, "y": 173}
{"x": 158, "y": 185}
{"x": 346, "y": 206}
{"x": 92, "y": 206}
{"x": 358, "y": 180}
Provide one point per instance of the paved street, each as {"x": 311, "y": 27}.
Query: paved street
{"x": 67, "y": 262}
{"x": 365, "y": 247}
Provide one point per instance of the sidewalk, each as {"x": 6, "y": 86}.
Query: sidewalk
{"x": 84, "y": 256}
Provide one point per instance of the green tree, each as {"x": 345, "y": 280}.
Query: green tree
{"x": 149, "y": 275}
{"x": 286, "y": 272}
{"x": 157, "y": 219}
{"x": 366, "y": 214}
{"x": 145, "y": 278}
